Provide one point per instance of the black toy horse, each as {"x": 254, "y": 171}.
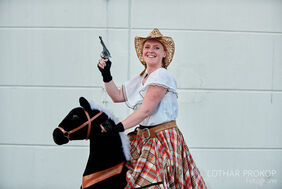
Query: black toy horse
{"x": 108, "y": 152}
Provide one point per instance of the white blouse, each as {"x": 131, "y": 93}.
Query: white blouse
{"x": 134, "y": 92}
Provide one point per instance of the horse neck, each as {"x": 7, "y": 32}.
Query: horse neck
{"x": 105, "y": 152}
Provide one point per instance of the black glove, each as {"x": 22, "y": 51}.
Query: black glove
{"x": 106, "y": 72}
{"x": 109, "y": 126}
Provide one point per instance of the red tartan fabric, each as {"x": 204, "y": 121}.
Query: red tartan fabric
{"x": 165, "y": 159}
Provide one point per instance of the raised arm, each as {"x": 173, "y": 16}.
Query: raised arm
{"x": 113, "y": 91}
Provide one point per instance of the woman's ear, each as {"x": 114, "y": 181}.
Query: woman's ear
{"x": 84, "y": 103}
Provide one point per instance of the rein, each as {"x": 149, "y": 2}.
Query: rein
{"x": 67, "y": 133}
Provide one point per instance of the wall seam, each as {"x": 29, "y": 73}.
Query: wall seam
{"x": 168, "y": 29}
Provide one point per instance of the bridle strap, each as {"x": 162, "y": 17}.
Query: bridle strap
{"x": 85, "y": 123}
{"x": 89, "y": 125}
{"x": 63, "y": 130}
{"x": 67, "y": 133}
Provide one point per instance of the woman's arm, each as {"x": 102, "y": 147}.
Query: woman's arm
{"x": 115, "y": 93}
{"x": 152, "y": 98}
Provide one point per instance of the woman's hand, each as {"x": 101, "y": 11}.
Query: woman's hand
{"x": 109, "y": 126}
{"x": 104, "y": 65}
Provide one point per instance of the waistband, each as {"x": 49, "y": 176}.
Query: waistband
{"x": 150, "y": 132}
{"x": 151, "y": 126}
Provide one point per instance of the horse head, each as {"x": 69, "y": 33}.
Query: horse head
{"x": 81, "y": 123}
{"x": 108, "y": 151}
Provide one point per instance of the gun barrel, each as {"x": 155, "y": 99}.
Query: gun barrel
{"x": 105, "y": 51}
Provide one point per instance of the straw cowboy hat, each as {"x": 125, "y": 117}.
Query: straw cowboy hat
{"x": 166, "y": 41}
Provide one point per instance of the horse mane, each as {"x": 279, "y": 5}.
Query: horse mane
{"x": 123, "y": 136}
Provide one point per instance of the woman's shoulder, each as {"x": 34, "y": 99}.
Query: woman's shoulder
{"x": 162, "y": 72}
{"x": 162, "y": 76}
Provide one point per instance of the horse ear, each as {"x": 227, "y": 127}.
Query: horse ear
{"x": 84, "y": 103}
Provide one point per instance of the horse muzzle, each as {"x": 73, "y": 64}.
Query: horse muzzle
{"x": 59, "y": 137}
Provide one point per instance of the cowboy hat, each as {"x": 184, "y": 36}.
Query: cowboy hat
{"x": 166, "y": 41}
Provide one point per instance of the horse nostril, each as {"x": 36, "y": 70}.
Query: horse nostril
{"x": 59, "y": 137}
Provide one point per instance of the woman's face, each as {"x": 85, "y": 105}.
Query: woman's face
{"x": 153, "y": 53}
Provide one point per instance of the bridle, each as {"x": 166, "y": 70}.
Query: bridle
{"x": 88, "y": 122}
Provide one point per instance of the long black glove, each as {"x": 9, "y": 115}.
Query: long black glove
{"x": 109, "y": 126}
{"x": 106, "y": 72}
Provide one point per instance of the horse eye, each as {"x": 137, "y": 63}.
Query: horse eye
{"x": 75, "y": 117}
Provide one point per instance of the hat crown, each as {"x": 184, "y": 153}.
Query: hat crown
{"x": 155, "y": 33}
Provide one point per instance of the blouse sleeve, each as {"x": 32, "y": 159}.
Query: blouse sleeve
{"x": 160, "y": 77}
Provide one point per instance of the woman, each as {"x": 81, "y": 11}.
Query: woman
{"x": 160, "y": 157}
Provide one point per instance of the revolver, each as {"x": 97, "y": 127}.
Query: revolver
{"x": 105, "y": 51}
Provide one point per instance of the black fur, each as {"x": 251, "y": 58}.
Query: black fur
{"x": 105, "y": 149}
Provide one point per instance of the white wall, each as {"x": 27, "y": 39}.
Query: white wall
{"x": 228, "y": 65}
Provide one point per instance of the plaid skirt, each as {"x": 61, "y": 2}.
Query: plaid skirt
{"x": 163, "y": 162}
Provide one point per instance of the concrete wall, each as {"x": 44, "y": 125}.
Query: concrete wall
{"x": 228, "y": 65}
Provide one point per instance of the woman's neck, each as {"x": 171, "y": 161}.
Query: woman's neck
{"x": 151, "y": 70}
